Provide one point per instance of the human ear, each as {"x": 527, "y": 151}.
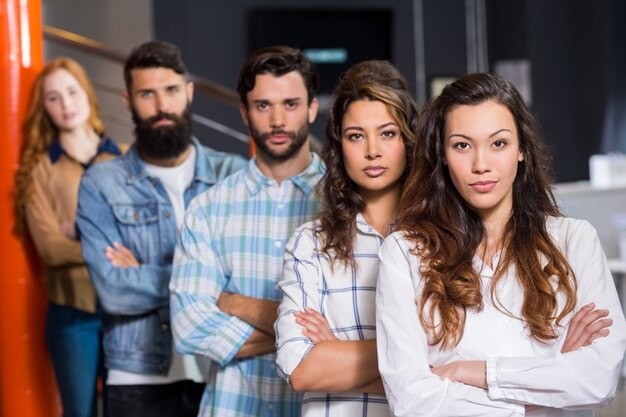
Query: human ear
{"x": 244, "y": 114}
{"x": 313, "y": 108}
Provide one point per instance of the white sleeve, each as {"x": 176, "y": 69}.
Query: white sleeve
{"x": 300, "y": 284}
{"x": 411, "y": 388}
{"x": 588, "y": 376}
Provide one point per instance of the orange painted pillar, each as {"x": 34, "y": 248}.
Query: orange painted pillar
{"x": 27, "y": 386}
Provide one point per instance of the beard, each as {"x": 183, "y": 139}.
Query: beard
{"x": 298, "y": 139}
{"x": 163, "y": 142}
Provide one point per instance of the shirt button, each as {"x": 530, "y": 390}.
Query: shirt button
{"x": 281, "y": 206}
{"x": 165, "y": 327}
{"x": 278, "y": 244}
{"x": 270, "y": 407}
{"x": 167, "y": 214}
{"x": 502, "y": 326}
{"x": 136, "y": 215}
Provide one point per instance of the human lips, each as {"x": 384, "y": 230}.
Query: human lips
{"x": 374, "y": 171}
{"x": 483, "y": 186}
{"x": 279, "y": 139}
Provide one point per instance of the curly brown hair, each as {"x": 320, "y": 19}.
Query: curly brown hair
{"x": 38, "y": 131}
{"x": 341, "y": 202}
{"x": 447, "y": 233}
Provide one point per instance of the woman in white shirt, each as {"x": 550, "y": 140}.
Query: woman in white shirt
{"x": 480, "y": 283}
{"x": 326, "y": 321}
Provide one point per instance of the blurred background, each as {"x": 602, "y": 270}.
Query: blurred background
{"x": 567, "y": 57}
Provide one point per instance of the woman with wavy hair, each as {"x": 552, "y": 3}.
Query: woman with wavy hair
{"x": 479, "y": 284}
{"x": 63, "y": 134}
{"x": 326, "y": 326}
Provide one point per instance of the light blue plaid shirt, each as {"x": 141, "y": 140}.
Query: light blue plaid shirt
{"x": 233, "y": 240}
{"x": 345, "y": 296}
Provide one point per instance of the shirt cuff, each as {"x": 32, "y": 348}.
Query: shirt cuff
{"x": 290, "y": 355}
{"x": 495, "y": 392}
{"x": 233, "y": 335}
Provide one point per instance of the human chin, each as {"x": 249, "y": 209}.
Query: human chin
{"x": 283, "y": 151}
{"x": 166, "y": 141}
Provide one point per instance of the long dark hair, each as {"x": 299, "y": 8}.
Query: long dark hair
{"x": 447, "y": 232}
{"x": 368, "y": 80}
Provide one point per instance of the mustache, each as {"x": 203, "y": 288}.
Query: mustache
{"x": 162, "y": 116}
{"x": 274, "y": 132}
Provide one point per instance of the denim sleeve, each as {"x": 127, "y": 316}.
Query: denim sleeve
{"x": 198, "y": 326}
{"x": 123, "y": 291}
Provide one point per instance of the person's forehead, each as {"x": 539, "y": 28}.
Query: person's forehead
{"x": 155, "y": 77}
{"x": 59, "y": 79}
{"x": 269, "y": 86}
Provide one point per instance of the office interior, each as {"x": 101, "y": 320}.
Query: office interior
{"x": 567, "y": 57}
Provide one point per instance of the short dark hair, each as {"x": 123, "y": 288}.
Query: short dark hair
{"x": 153, "y": 54}
{"x": 277, "y": 60}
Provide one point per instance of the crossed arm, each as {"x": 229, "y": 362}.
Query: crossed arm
{"x": 334, "y": 365}
{"x": 587, "y": 325}
{"x": 260, "y": 314}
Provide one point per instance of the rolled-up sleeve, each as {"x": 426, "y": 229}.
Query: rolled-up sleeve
{"x": 300, "y": 286}
{"x": 198, "y": 325}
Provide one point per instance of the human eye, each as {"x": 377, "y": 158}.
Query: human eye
{"x": 173, "y": 89}
{"x": 460, "y": 145}
{"x": 389, "y": 134}
{"x": 353, "y": 137}
{"x": 51, "y": 98}
{"x": 145, "y": 94}
{"x": 290, "y": 104}
{"x": 261, "y": 106}
{"x": 499, "y": 144}
{"x": 72, "y": 91}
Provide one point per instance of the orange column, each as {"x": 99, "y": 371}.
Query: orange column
{"x": 27, "y": 387}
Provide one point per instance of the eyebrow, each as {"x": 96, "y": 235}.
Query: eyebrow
{"x": 265, "y": 100}
{"x": 359, "y": 128}
{"x": 497, "y": 132}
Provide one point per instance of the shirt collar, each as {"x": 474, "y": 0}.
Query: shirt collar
{"x": 364, "y": 227}
{"x": 106, "y": 145}
{"x": 306, "y": 180}
{"x": 203, "y": 169}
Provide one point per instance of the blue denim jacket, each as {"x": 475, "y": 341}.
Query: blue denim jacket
{"x": 120, "y": 202}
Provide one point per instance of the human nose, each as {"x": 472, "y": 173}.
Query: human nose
{"x": 480, "y": 162}
{"x": 65, "y": 101}
{"x": 372, "y": 151}
{"x": 277, "y": 118}
{"x": 162, "y": 103}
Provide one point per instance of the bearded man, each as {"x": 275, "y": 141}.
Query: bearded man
{"x": 224, "y": 295}
{"x": 129, "y": 214}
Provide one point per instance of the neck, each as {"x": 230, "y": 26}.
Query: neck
{"x": 80, "y": 143}
{"x": 381, "y": 208}
{"x": 492, "y": 241}
{"x": 168, "y": 162}
{"x": 281, "y": 170}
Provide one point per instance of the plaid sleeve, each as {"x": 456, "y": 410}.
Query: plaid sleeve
{"x": 199, "y": 327}
{"x": 300, "y": 286}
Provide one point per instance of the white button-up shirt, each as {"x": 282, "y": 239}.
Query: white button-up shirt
{"x": 520, "y": 369}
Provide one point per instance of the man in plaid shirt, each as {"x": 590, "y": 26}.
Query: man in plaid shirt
{"x": 224, "y": 296}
